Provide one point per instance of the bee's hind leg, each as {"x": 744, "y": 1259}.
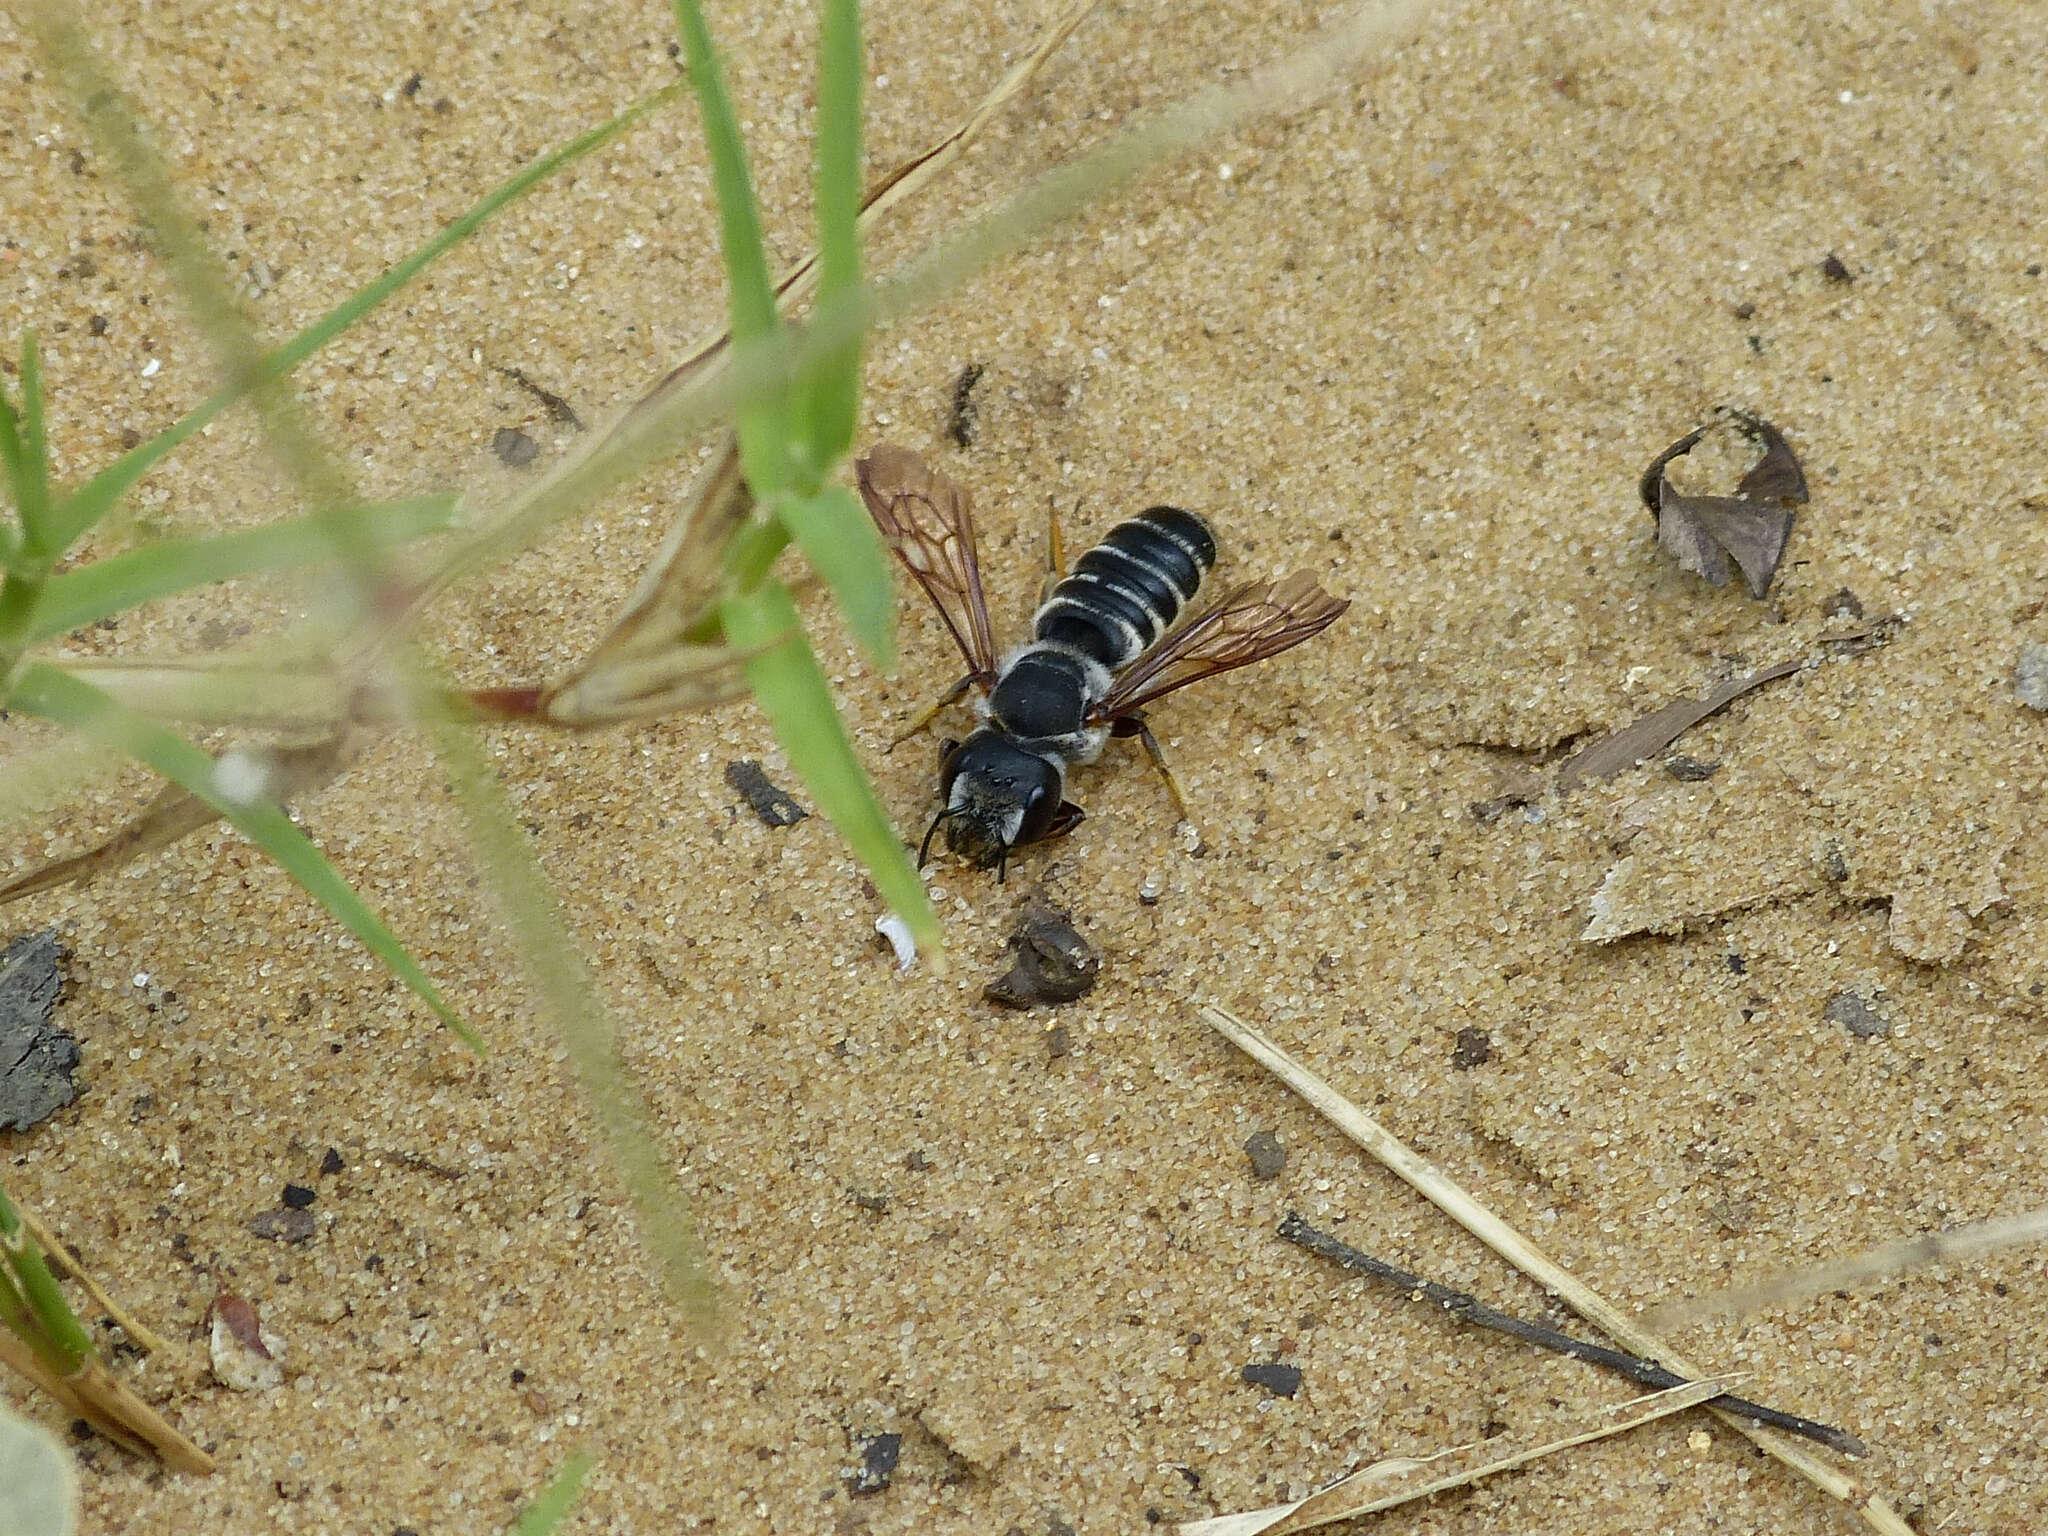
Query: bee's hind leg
{"x": 1134, "y": 725}
{"x": 1055, "y": 550}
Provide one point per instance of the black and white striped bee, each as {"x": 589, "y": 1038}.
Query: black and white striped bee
{"x": 1102, "y": 647}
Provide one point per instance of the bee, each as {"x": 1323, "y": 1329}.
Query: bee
{"x": 1103, "y": 645}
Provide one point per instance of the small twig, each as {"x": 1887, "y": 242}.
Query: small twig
{"x": 1469, "y": 1309}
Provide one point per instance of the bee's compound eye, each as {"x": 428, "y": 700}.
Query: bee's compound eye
{"x": 1037, "y": 797}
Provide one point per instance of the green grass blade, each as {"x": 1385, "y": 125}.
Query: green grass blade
{"x": 589, "y": 1030}
{"x": 35, "y": 1309}
{"x": 13, "y": 465}
{"x": 739, "y": 217}
{"x": 763, "y": 626}
{"x": 46, "y": 691}
{"x": 830, "y": 391}
{"x": 839, "y": 539}
{"x": 763, "y": 429}
{"x": 120, "y": 582}
{"x": 26, "y": 448}
{"x": 544, "y": 1516}
{"x": 79, "y": 512}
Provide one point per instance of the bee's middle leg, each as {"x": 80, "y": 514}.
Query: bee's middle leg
{"x": 1134, "y": 725}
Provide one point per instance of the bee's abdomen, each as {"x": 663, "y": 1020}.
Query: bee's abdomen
{"x": 1127, "y": 591}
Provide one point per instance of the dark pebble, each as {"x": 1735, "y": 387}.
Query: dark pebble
{"x": 1474, "y": 1048}
{"x": 1856, "y": 1015}
{"x": 515, "y": 450}
{"x": 1836, "y": 270}
{"x": 297, "y": 1197}
{"x": 284, "y": 1226}
{"x": 330, "y": 1162}
{"x": 1278, "y": 1379}
{"x": 1267, "y": 1155}
{"x": 878, "y": 1456}
{"x": 1689, "y": 770}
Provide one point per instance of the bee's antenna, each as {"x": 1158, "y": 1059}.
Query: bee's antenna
{"x": 924, "y": 849}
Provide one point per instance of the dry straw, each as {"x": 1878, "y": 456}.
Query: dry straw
{"x": 1427, "y": 1180}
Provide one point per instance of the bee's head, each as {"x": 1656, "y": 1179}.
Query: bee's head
{"x": 998, "y": 795}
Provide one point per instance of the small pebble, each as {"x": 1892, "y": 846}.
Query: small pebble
{"x": 878, "y": 1456}
{"x": 1474, "y": 1048}
{"x": 1268, "y": 1156}
{"x": 515, "y": 450}
{"x": 244, "y": 1354}
{"x": 1856, "y": 1015}
{"x": 284, "y": 1226}
{"x": 1149, "y": 892}
{"x": 2030, "y": 677}
{"x": 297, "y": 1197}
{"x": 1278, "y": 1379}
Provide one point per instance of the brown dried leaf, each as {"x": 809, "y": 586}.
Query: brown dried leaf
{"x": 652, "y": 663}
{"x": 1652, "y": 733}
{"x": 1777, "y": 475}
{"x": 1703, "y": 533}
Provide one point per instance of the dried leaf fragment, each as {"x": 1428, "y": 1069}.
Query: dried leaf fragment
{"x": 774, "y": 806}
{"x": 1704, "y": 533}
{"x": 1650, "y": 734}
{"x": 246, "y": 1356}
{"x": 1400, "y": 1479}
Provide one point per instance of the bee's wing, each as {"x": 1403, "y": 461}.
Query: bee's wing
{"x": 1248, "y": 625}
{"x": 925, "y": 518}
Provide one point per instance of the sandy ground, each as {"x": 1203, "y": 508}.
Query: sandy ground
{"x": 1420, "y": 337}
